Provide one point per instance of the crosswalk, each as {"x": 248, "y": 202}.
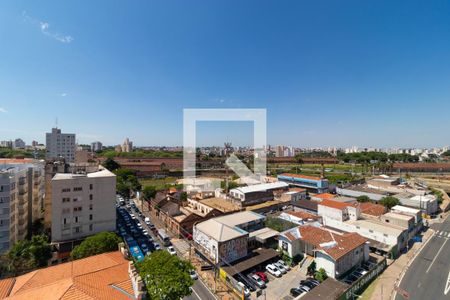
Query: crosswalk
{"x": 443, "y": 234}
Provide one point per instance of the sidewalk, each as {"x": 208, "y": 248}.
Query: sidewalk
{"x": 386, "y": 282}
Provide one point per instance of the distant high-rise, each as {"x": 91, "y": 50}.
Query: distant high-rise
{"x": 127, "y": 146}
{"x": 279, "y": 151}
{"x": 18, "y": 144}
{"x": 96, "y": 146}
{"x": 60, "y": 145}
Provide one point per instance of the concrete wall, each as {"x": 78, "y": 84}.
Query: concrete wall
{"x": 68, "y": 224}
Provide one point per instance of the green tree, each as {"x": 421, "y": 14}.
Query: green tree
{"x": 312, "y": 268}
{"x": 149, "y": 192}
{"x": 321, "y": 275}
{"x": 20, "y": 258}
{"x": 126, "y": 182}
{"x": 363, "y": 199}
{"x": 111, "y": 164}
{"x": 166, "y": 276}
{"x": 40, "y": 249}
{"x": 389, "y": 201}
{"x": 96, "y": 244}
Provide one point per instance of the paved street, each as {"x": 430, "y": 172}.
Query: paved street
{"x": 199, "y": 290}
{"x": 429, "y": 275}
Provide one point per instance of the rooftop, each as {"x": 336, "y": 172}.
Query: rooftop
{"x": 323, "y": 196}
{"x": 306, "y": 204}
{"x": 398, "y": 216}
{"x": 220, "y": 204}
{"x": 378, "y": 226}
{"x": 103, "y": 276}
{"x": 405, "y": 209}
{"x": 330, "y": 289}
{"x": 261, "y": 187}
{"x": 336, "y": 204}
{"x": 301, "y": 176}
{"x": 98, "y": 174}
{"x": 225, "y": 228}
{"x": 372, "y": 209}
{"x": 334, "y": 244}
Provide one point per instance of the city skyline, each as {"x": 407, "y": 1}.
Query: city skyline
{"x": 328, "y": 74}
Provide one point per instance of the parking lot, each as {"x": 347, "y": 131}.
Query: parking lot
{"x": 278, "y": 288}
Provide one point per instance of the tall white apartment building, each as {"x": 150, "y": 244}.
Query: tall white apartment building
{"x": 21, "y": 200}
{"x": 96, "y": 146}
{"x": 82, "y": 205}
{"x": 60, "y": 145}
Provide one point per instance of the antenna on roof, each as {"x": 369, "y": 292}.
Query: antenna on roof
{"x": 56, "y": 122}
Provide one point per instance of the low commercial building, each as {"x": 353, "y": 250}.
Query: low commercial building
{"x": 311, "y": 183}
{"x": 103, "y": 276}
{"x": 383, "y": 238}
{"x": 258, "y": 193}
{"x": 401, "y": 220}
{"x": 340, "y": 211}
{"x": 82, "y": 205}
{"x": 306, "y": 206}
{"x": 416, "y": 213}
{"x": 369, "y": 209}
{"x": 300, "y": 217}
{"x": 427, "y": 203}
{"x": 225, "y": 239}
{"x": 335, "y": 252}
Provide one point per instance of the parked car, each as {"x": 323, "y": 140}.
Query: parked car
{"x": 295, "y": 292}
{"x": 263, "y": 276}
{"x": 284, "y": 264}
{"x": 257, "y": 280}
{"x": 273, "y": 270}
{"x": 280, "y": 267}
{"x": 144, "y": 232}
{"x": 193, "y": 274}
{"x": 171, "y": 250}
{"x": 133, "y": 217}
{"x": 304, "y": 288}
{"x": 309, "y": 284}
{"x": 246, "y": 290}
{"x": 147, "y": 220}
{"x": 157, "y": 246}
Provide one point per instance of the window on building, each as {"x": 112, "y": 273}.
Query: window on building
{"x": 66, "y": 190}
{"x": 77, "y": 230}
{"x": 370, "y": 230}
{"x": 64, "y": 221}
{"x": 1, "y": 223}
{"x": 91, "y": 197}
{"x": 91, "y": 227}
{"x": 77, "y": 208}
{"x": 91, "y": 186}
{"x": 77, "y": 189}
{"x": 385, "y": 234}
{"x": 90, "y": 206}
{"x": 65, "y": 200}
{"x": 76, "y": 219}
{"x": 75, "y": 199}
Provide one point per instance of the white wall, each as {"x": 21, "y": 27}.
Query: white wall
{"x": 209, "y": 246}
{"x": 331, "y": 213}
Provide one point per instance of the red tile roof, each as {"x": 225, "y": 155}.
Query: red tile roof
{"x": 344, "y": 242}
{"x": 372, "y": 209}
{"x": 89, "y": 278}
{"x": 303, "y": 215}
{"x": 324, "y": 196}
{"x": 301, "y": 176}
{"x": 336, "y": 204}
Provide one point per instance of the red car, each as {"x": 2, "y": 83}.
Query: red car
{"x": 262, "y": 276}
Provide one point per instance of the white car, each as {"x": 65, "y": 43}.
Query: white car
{"x": 133, "y": 216}
{"x": 193, "y": 274}
{"x": 280, "y": 267}
{"x": 147, "y": 220}
{"x": 273, "y": 270}
{"x": 284, "y": 264}
{"x": 157, "y": 246}
{"x": 246, "y": 291}
{"x": 171, "y": 250}
{"x": 145, "y": 232}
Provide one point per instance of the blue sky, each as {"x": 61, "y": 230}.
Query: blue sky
{"x": 338, "y": 73}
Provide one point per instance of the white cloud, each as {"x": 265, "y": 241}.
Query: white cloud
{"x": 2, "y": 110}
{"x": 63, "y": 94}
{"x": 45, "y": 29}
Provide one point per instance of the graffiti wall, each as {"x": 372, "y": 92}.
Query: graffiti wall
{"x": 232, "y": 250}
